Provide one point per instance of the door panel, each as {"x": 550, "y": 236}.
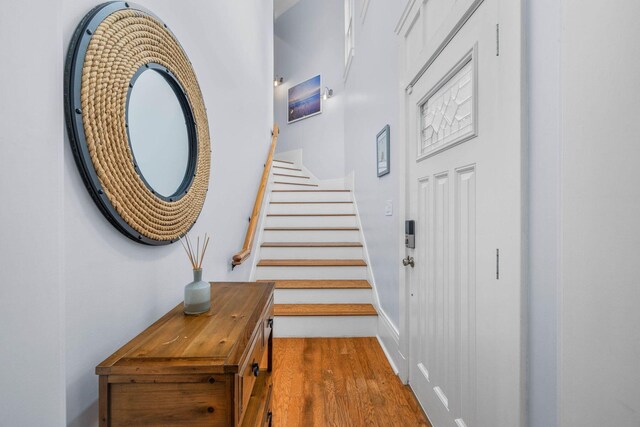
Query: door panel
{"x": 464, "y": 190}
{"x": 465, "y": 287}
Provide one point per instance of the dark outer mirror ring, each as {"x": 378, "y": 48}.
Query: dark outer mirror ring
{"x": 143, "y": 215}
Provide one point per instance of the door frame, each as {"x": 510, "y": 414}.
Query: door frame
{"x": 408, "y": 78}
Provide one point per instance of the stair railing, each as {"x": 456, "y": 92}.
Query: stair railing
{"x": 241, "y": 256}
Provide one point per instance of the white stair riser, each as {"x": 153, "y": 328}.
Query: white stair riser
{"x": 311, "y": 273}
{"x": 311, "y": 253}
{"x": 292, "y": 180}
{"x": 281, "y": 186}
{"x": 285, "y": 165}
{"x": 311, "y": 236}
{"x": 276, "y": 169}
{"x": 311, "y": 208}
{"x": 323, "y": 296}
{"x": 311, "y": 196}
{"x": 324, "y": 326}
{"x": 311, "y": 221}
{"x": 322, "y": 185}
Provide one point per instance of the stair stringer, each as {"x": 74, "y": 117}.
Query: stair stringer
{"x": 387, "y": 333}
{"x": 350, "y": 185}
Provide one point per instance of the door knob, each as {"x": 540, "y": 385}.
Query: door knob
{"x": 408, "y": 261}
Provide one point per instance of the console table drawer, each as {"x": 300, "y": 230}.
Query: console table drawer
{"x": 166, "y": 404}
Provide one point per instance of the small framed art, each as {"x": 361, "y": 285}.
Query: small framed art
{"x": 383, "y": 151}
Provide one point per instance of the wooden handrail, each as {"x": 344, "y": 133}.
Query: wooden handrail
{"x": 257, "y": 206}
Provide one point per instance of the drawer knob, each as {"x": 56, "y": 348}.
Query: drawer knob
{"x": 210, "y": 409}
{"x": 270, "y": 322}
{"x": 212, "y": 380}
{"x": 256, "y": 369}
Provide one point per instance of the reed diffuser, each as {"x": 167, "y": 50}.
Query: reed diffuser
{"x": 197, "y": 294}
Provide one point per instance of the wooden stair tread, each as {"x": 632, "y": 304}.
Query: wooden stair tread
{"x": 283, "y": 161}
{"x": 312, "y": 263}
{"x": 324, "y": 310}
{"x": 311, "y": 191}
{"x": 291, "y": 169}
{"x": 303, "y": 203}
{"x": 311, "y": 245}
{"x": 314, "y": 214}
{"x": 311, "y": 228}
{"x": 295, "y": 183}
{"x": 292, "y": 176}
{"x": 320, "y": 284}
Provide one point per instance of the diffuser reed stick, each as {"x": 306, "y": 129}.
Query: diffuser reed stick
{"x": 196, "y": 257}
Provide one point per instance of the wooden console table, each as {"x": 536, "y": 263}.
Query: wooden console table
{"x": 208, "y": 370}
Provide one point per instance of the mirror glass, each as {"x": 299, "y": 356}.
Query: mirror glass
{"x": 158, "y": 133}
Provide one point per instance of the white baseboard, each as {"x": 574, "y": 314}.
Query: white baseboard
{"x": 389, "y": 339}
{"x": 386, "y": 353}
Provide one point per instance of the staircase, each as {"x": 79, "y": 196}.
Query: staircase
{"x": 311, "y": 247}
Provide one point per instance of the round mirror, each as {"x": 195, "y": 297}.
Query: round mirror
{"x": 137, "y": 123}
{"x": 158, "y": 131}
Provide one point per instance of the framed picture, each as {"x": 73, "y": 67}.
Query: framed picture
{"x": 305, "y": 99}
{"x": 383, "y": 140}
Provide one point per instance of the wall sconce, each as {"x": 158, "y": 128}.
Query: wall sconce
{"x": 328, "y": 93}
{"x": 277, "y": 81}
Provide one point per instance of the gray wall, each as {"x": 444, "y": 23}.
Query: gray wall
{"x": 74, "y": 289}
{"x": 31, "y": 182}
{"x": 543, "y": 59}
{"x": 308, "y": 42}
{"x": 373, "y": 101}
{"x": 584, "y": 340}
{"x": 600, "y": 206}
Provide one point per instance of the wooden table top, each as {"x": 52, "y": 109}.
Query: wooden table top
{"x": 209, "y": 343}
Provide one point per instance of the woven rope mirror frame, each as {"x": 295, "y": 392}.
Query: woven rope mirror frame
{"x": 110, "y": 45}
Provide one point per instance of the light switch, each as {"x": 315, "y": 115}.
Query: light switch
{"x": 388, "y": 208}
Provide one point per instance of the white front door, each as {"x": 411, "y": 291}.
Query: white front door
{"x": 464, "y": 156}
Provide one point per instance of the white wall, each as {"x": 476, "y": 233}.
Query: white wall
{"x": 308, "y": 42}
{"x": 74, "y": 289}
{"x": 31, "y": 171}
{"x": 600, "y": 207}
{"x": 373, "y": 101}
{"x": 543, "y": 58}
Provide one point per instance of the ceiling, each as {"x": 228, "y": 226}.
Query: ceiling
{"x": 281, "y": 6}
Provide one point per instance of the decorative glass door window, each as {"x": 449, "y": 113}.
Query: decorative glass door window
{"x": 447, "y": 116}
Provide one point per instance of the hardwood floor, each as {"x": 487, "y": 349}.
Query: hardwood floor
{"x": 339, "y": 382}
